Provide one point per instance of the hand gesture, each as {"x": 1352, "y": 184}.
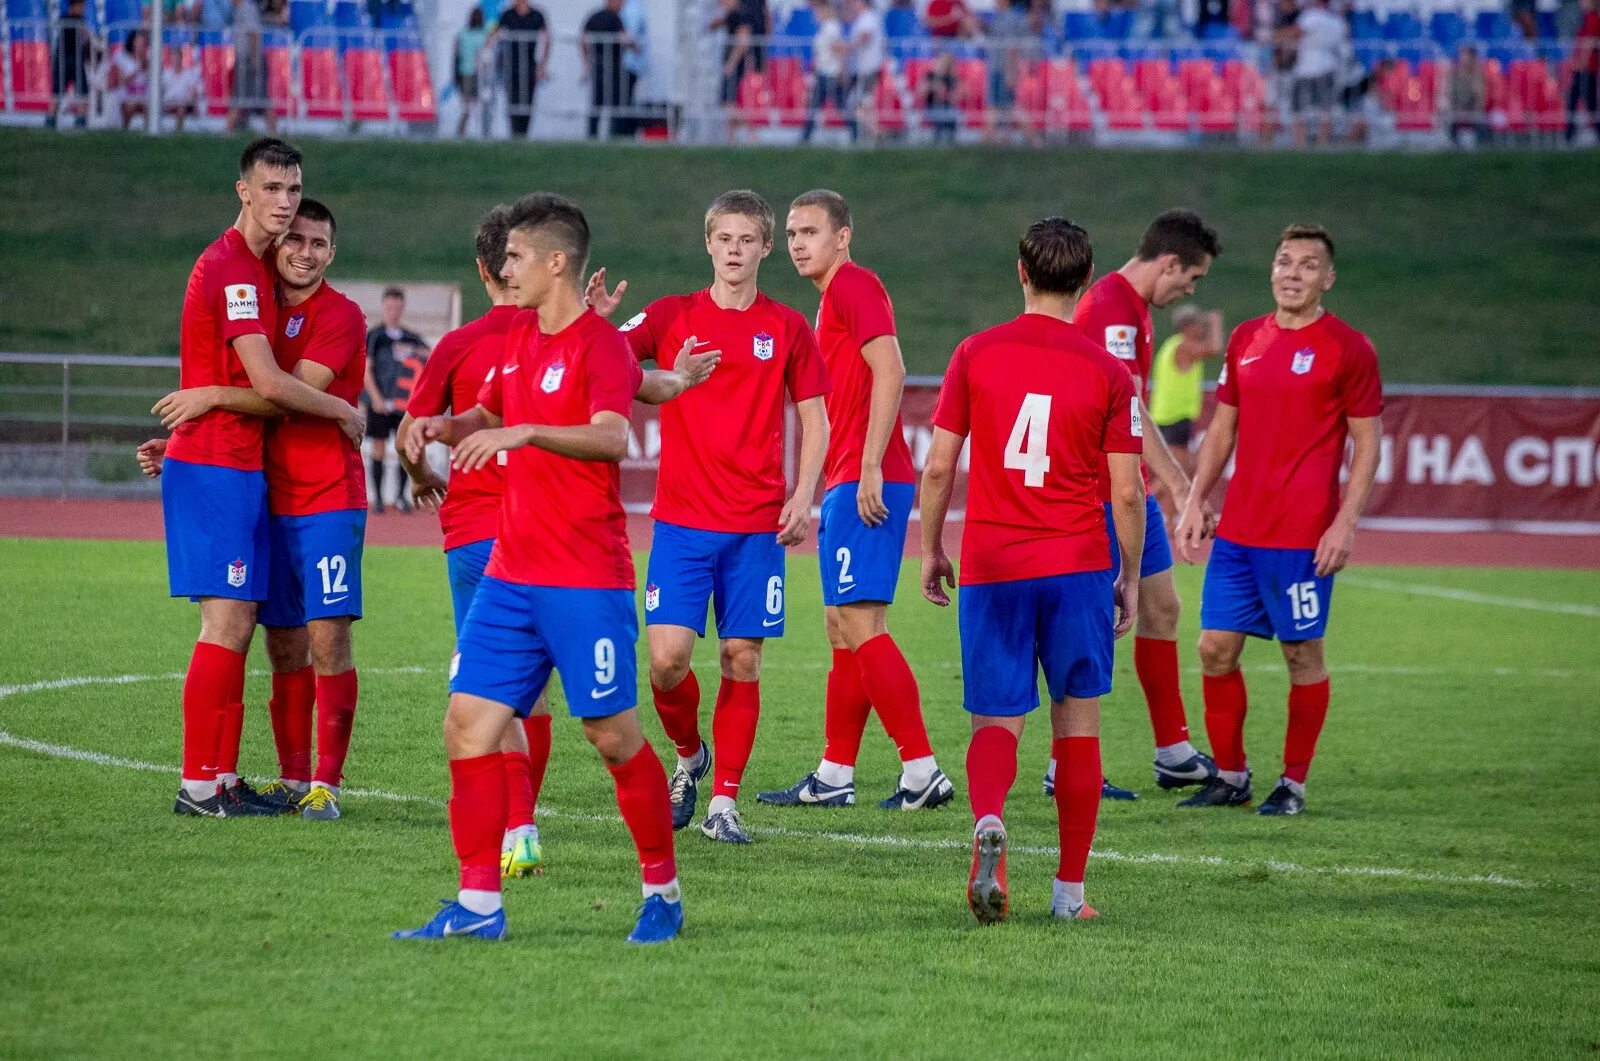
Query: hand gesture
{"x": 694, "y": 368}
{"x": 1193, "y": 527}
{"x": 600, "y": 300}
{"x": 794, "y": 522}
{"x": 428, "y": 490}
{"x": 423, "y": 431}
{"x": 150, "y": 456}
{"x": 1334, "y": 549}
{"x": 938, "y": 573}
{"x": 1126, "y": 591}
{"x": 481, "y": 447}
{"x": 354, "y": 425}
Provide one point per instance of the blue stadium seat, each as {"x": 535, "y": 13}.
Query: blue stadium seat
{"x": 1545, "y": 21}
{"x": 1493, "y": 26}
{"x": 1082, "y": 26}
{"x": 350, "y": 15}
{"x": 898, "y": 23}
{"x": 308, "y": 14}
{"x": 1219, "y": 31}
{"x": 1447, "y": 28}
{"x": 1119, "y": 24}
{"x": 800, "y": 23}
{"x": 1402, "y": 26}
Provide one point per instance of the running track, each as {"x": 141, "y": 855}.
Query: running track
{"x": 141, "y": 521}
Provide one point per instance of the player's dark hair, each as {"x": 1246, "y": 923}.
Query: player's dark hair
{"x": 832, "y": 202}
{"x": 267, "y": 151}
{"x": 490, "y": 241}
{"x": 745, "y": 203}
{"x": 1316, "y": 232}
{"x": 557, "y": 220}
{"x": 1057, "y": 255}
{"x": 315, "y": 210}
{"x": 1183, "y": 233}
{"x": 394, "y": 292}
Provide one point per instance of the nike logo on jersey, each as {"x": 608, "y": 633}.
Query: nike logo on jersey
{"x": 1250, "y": 360}
{"x": 596, "y": 694}
{"x": 335, "y": 600}
{"x": 506, "y": 370}
{"x": 454, "y": 929}
{"x": 772, "y": 622}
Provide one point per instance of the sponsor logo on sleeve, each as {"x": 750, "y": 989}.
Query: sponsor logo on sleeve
{"x": 242, "y": 303}
{"x": 632, "y": 322}
{"x": 1120, "y": 341}
{"x": 1302, "y": 361}
{"x": 552, "y": 377}
{"x": 763, "y": 347}
{"x": 1135, "y": 421}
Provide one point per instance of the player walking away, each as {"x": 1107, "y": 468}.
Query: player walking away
{"x": 1294, "y": 385}
{"x": 722, "y": 520}
{"x": 869, "y": 486}
{"x": 1044, "y": 406}
{"x": 558, "y": 589}
{"x": 390, "y": 346}
{"x": 214, "y": 490}
{"x": 1175, "y": 253}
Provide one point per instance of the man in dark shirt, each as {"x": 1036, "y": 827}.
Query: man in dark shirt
{"x": 604, "y": 40}
{"x": 389, "y": 346}
{"x": 525, "y": 57}
{"x": 746, "y": 23}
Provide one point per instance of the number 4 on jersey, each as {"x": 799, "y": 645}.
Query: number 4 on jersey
{"x": 1026, "y": 448}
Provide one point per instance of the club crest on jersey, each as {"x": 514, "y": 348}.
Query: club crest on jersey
{"x": 1302, "y": 361}
{"x": 1120, "y": 341}
{"x": 652, "y": 598}
{"x": 236, "y": 573}
{"x": 552, "y": 377}
{"x": 763, "y": 347}
{"x": 292, "y": 329}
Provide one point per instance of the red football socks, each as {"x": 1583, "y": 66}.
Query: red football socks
{"x": 1078, "y": 777}
{"x": 1308, "y": 709}
{"x": 892, "y": 688}
{"x": 477, "y": 812}
{"x": 647, "y": 812}
{"x": 733, "y": 734}
{"x": 845, "y": 710}
{"x": 537, "y": 730}
{"x": 293, "y": 695}
{"x": 230, "y": 727}
{"x": 991, "y": 770}
{"x": 519, "y": 789}
{"x": 679, "y": 708}
{"x": 1226, "y": 706}
{"x": 336, "y": 717}
{"x": 1156, "y": 663}
{"x": 214, "y": 672}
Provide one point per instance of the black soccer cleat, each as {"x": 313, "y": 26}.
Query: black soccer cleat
{"x": 1218, "y": 793}
{"x": 189, "y": 807}
{"x": 1195, "y": 770}
{"x": 1283, "y": 800}
{"x": 239, "y": 800}
{"x": 683, "y": 788}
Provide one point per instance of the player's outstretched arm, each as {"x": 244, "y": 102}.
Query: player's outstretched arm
{"x": 1127, "y": 516}
{"x": 882, "y": 356}
{"x": 689, "y": 369}
{"x": 1339, "y": 540}
{"x": 181, "y": 406}
{"x": 938, "y": 481}
{"x": 1214, "y": 454}
{"x": 603, "y": 439}
{"x": 794, "y": 522}
{"x": 290, "y": 392}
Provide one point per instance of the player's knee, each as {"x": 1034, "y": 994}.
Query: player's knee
{"x": 741, "y": 661}
{"x": 286, "y": 650}
{"x": 1218, "y": 655}
{"x": 466, "y": 734}
{"x": 1305, "y": 661}
{"x": 331, "y": 651}
{"x": 668, "y": 668}
{"x": 835, "y": 628}
{"x": 616, "y": 744}
{"x": 1158, "y": 616}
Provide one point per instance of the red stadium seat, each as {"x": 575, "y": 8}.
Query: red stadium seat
{"x": 216, "y": 73}
{"x": 972, "y": 79}
{"x": 754, "y": 101}
{"x": 790, "y": 94}
{"x": 1539, "y": 93}
{"x": 30, "y": 73}
{"x": 364, "y": 75}
{"x": 888, "y": 102}
{"x": 412, "y": 85}
{"x": 1067, "y": 107}
{"x": 1032, "y": 99}
{"x": 320, "y": 90}
{"x": 278, "y": 78}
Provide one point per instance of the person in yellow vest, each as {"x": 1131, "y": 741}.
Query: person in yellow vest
{"x": 1177, "y": 376}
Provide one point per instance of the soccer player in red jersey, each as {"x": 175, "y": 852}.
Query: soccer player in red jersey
{"x": 869, "y": 486}
{"x": 1044, "y": 406}
{"x": 213, "y": 490}
{"x": 1295, "y": 385}
{"x": 558, "y": 591}
{"x": 1175, "y": 253}
{"x": 722, "y": 520}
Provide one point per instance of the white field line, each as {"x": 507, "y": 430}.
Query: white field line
{"x": 1467, "y": 596}
{"x": 62, "y": 751}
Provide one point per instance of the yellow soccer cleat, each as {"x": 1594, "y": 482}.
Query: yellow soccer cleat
{"x": 524, "y": 858}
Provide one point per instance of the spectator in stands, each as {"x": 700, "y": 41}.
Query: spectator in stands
{"x": 1359, "y": 98}
{"x": 635, "y": 61}
{"x": 950, "y": 18}
{"x": 249, "y": 68}
{"x": 1324, "y": 42}
{"x": 1585, "y": 71}
{"x": 524, "y": 38}
{"x": 1009, "y": 44}
{"x": 864, "y": 55}
{"x": 471, "y": 43}
{"x": 827, "y": 70}
{"x": 389, "y": 346}
{"x": 1467, "y": 124}
{"x": 69, "y": 66}
{"x": 128, "y": 78}
{"x": 1523, "y": 16}
{"x": 939, "y": 97}
{"x": 604, "y": 41}
{"x": 745, "y": 22}
{"x": 1284, "y": 38}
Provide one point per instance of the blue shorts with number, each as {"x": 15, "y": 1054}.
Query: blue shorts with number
{"x": 862, "y": 563}
{"x": 216, "y": 525}
{"x": 1265, "y": 592}
{"x": 316, "y": 567}
{"x": 1157, "y": 556}
{"x": 1010, "y": 630}
{"x": 465, "y": 564}
{"x": 515, "y": 635}
{"x": 741, "y": 573}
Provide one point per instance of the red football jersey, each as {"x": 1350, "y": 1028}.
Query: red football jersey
{"x": 855, "y": 310}
{"x": 1294, "y": 391}
{"x": 1041, "y": 405}
{"x": 230, "y": 293}
{"x": 722, "y": 442}
{"x": 1112, "y": 314}
{"x": 311, "y": 466}
{"x": 450, "y": 382}
{"x": 562, "y": 523}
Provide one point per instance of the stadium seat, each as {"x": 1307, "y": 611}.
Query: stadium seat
{"x": 1412, "y": 97}
{"x": 350, "y": 15}
{"x": 1031, "y": 100}
{"x": 308, "y": 14}
{"x": 320, "y": 93}
{"x": 790, "y": 91}
{"x": 1537, "y": 90}
{"x": 1447, "y": 29}
{"x": 1493, "y": 26}
{"x": 754, "y": 101}
{"x": 972, "y": 79}
{"x": 216, "y": 70}
{"x": 409, "y": 80}
{"x": 275, "y": 44}
{"x": 364, "y": 77}
{"x": 888, "y": 102}
{"x": 1364, "y": 26}
{"x": 1546, "y": 27}
{"x": 1402, "y": 26}
{"x": 29, "y": 46}
{"x": 900, "y": 23}
{"x": 1067, "y": 107}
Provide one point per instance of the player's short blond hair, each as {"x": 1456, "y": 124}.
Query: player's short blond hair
{"x": 745, "y": 203}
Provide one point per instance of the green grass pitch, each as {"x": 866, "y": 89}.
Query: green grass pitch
{"x": 1438, "y": 899}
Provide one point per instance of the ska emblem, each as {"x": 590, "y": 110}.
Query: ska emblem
{"x": 1302, "y": 362}
{"x": 552, "y": 378}
{"x": 763, "y": 347}
{"x": 236, "y": 572}
{"x": 652, "y": 597}
{"x": 296, "y": 322}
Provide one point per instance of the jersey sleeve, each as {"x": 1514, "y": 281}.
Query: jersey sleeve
{"x": 805, "y": 375}
{"x": 1110, "y": 324}
{"x": 865, "y": 308}
{"x": 1360, "y": 387}
{"x": 643, "y": 330}
{"x": 1227, "y": 393}
{"x": 613, "y": 375}
{"x": 337, "y": 339}
{"x": 431, "y": 395}
{"x": 237, "y": 298}
{"x": 953, "y": 409}
{"x": 1123, "y": 431}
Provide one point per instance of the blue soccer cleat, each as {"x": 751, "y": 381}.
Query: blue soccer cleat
{"x": 811, "y": 792}
{"x": 660, "y": 921}
{"x": 1284, "y": 800}
{"x": 684, "y": 788}
{"x": 726, "y": 827}
{"x": 1195, "y": 770}
{"x": 1107, "y": 790}
{"x": 1218, "y": 793}
{"x": 936, "y": 793}
{"x": 455, "y": 921}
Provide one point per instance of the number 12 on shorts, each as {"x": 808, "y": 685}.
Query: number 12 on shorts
{"x": 1303, "y": 601}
